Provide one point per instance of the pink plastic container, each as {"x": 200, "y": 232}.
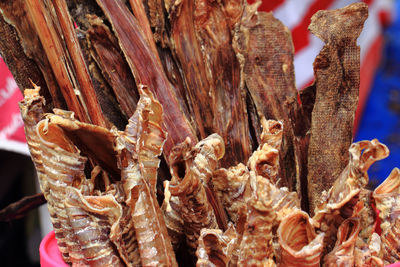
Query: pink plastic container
{"x": 50, "y": 256}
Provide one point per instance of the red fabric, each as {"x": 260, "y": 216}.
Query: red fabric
{"x": 11, "y": 125}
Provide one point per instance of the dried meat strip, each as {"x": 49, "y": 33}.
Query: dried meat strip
{"x": 265, "y": 49}
{"x": 105, "y": 50}
{"x": 337, "y": 79}
{"x": 223, "y": 73}
{"x": 137, "y": 51}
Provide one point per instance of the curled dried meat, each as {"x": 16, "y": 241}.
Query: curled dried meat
{"x": 342, "y": 254}
{"x": 337, "y": 205}
{"x": 195, "y": 209}
{"x": 215, "y": 247}
{"x": 300, "y": 244}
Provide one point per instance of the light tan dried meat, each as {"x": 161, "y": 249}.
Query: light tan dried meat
{"x": 63, "y": 166}
{"x": 216, "y": 248}
{"x": 342, "y": 254}
{"x": 265, "y": 51}
{"x": 91, "y": 219}
{"x": 337, "y": 80}
{"x": 299, "y": 243}
{"x": 190, "y": 176}
{"x": 255, "y": 248}
{"x": 337, "y": 205}
{"x": 138, "y": 148}
{"x": 230, "y": 185}
{"x": 96, "y": 141}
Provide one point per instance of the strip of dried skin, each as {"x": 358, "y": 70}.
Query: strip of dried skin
{"x": 195, "y": 209}
{"x": 91, "y": 218}
{"x": 223, "y": 73}
{"x": 299, "y": 243}
{"x": 215, "y": 247}
{"x": 136, "y": 51}
{"x": 80, "y": 68}
{"x": 105, "y": 51}
{"x": 343, "y": 252}
{"x": 230, "y": 185}
{"x": 390, "y": 243}
{"x": 233, "y": 11}
{"x": 338, "y": 204}
{"x": 16, "y": 14}
{"x": 387, "y": 199}
{"x": 255, "y": 248}
{"x": 63, "y": 166}
{"x": 154, "y": 243}
{"x": 337, "y": 79}
{"x": 58, "y": 57}
{"x": 187, "y": 52}
{"x": 96, "y": 141}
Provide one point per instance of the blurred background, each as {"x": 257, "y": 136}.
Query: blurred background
{"x": 378, "y": 114}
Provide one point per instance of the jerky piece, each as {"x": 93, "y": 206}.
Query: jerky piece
{"x": 337, "y": 79}
{"x": 81, "y": 72}
{"x": 187, "y": 51}
{"x": 223, "y": 72}
{"x": 265, "y": 49}
{"x": 137, "y": 52}
{"x": 105, "y": 51}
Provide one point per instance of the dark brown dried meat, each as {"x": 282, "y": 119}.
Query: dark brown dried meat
{"x": 337, "y": 80}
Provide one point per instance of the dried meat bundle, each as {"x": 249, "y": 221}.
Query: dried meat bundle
{"x": 337, "y": 81}
{"x": 300, "y": 244}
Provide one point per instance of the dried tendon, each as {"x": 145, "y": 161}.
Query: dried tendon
{"x": 91, "y": 218}
{"x": 300, "y": 244}
{"x": 342, "y": 254}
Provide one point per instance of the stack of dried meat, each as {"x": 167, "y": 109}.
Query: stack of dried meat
{"x": 171, "y": 132}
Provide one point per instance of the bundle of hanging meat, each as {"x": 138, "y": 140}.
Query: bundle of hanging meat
{"x": 170, "y": 133}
